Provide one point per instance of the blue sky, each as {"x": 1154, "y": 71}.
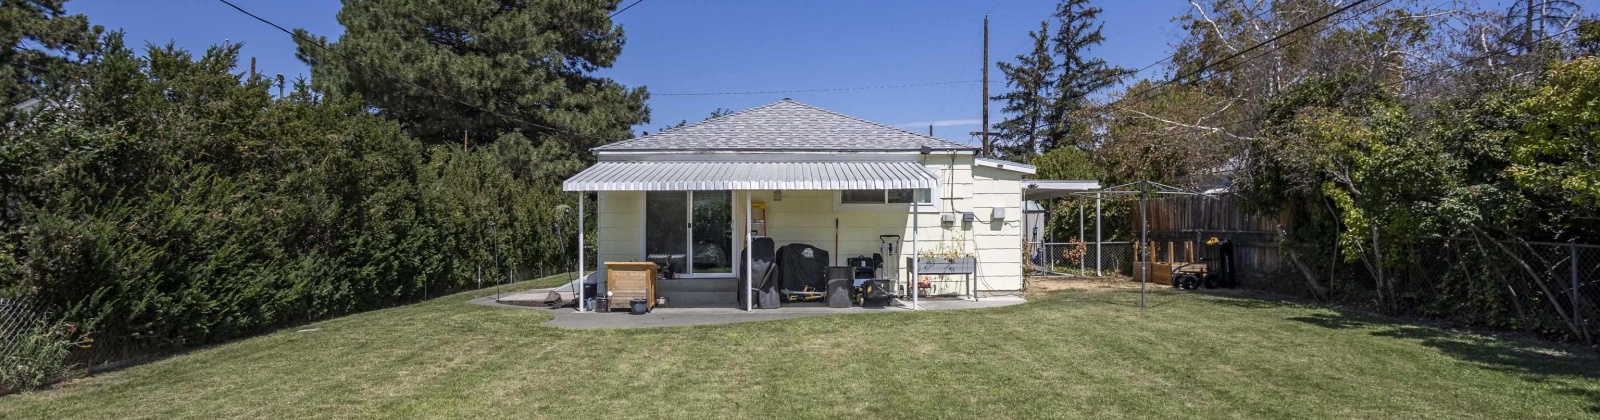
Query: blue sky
{"x": 691, "y": 46}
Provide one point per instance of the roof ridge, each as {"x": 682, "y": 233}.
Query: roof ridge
{"x": 789, "y": 120}
{"x": 674, "y": 129}
{"x": 871, "y": 122}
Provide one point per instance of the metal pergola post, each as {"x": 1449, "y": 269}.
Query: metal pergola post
{"x": 1083, "y": 260}
{"x": 1097, "y": 256}
{"x": 582, "y": 305}
{"x": 1144, "y": 240}
{"x": 1141, "y": 254}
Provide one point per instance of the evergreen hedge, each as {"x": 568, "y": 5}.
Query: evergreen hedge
{"x": 167, "y": 201}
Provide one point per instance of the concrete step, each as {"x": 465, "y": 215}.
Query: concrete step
{"x": 698, "y": 299}
{"x": 726, "y": 286}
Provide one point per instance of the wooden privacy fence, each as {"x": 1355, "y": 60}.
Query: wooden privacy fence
{"x": 1180, "y": 226}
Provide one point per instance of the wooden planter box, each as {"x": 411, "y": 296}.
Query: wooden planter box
{"x": 1160, "y": 272}
{"x": 631, "y": 280}
{"x": 939, "y": 265}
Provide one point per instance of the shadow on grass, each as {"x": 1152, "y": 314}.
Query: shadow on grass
{"x": 1567, "y": 369}
{"x": 1572, "y": 371}
{"x": 1120, "y": 297}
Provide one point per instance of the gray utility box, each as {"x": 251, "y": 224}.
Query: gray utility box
{"x": 940, "y": 265}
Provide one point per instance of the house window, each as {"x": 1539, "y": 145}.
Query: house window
{"x": 897, "y": 196}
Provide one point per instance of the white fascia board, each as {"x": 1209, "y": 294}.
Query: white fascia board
{"x": 788, "y": 156}
{"x": 1006, "y": 165}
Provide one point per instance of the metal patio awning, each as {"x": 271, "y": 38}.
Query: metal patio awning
{"x": 716, "y": 175}
{"x": 1039, "y": 189}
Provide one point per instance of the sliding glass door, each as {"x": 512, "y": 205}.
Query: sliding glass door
{"x": 666, "y": 241}
{"x": 690, "y": 231}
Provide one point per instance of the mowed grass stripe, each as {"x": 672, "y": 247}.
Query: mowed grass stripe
{"x": 1070, "y": 353}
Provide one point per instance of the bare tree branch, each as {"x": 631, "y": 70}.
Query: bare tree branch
{"x": 1214, "y": 27}
{"x": 1214, "y": 130}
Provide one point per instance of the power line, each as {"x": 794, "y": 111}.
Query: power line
{"x": 993, "y": 6}
{"x": 1263, "y": 10}
{"x": 630, "y": 6}
{"x": 1236, "y": 54}
{"x": 1236, "y": 64}
{"x": 1485, "y": 56}
{"x": 1140, "y": 96}
{"x": 815, "y": 90}
{"x": 390, "y": 76}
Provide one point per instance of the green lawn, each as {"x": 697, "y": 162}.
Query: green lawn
{"x": 1070, "y": 353}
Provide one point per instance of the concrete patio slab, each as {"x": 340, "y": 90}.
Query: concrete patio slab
{"x": 568, "y": 317}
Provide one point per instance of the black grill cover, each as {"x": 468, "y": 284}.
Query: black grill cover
{"x": 766, "y": 278}
{"x": 800, "y": 267}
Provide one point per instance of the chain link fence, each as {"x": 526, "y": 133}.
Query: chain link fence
{"x": 1079, "y": 258}
{"x": 1540, "y": 287}
{"x": 18, "y": 317}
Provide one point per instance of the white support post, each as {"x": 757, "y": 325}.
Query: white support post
{"x": 1083, "y": 261}
{"x": 1097, "y": 256}
{"x": 581, "y": 302}
{"x": 749, "y": 255}
{"x": 914, "y": 259}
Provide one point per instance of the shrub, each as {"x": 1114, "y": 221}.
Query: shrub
{"x": 171, "y": 204}
{"x": 38, "y": 357}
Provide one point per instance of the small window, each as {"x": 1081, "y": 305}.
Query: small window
{"x": 899, "y": 196}
{"x": 861, "y": 197}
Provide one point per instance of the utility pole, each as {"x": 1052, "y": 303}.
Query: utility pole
{"x": 985, "y": 129}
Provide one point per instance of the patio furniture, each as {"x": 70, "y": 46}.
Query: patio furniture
{"x": 631, "y": 280}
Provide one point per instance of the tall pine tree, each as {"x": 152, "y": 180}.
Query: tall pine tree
{"x": 1079, "y": 74}
{"x": 39, "y": 41}
{"x": 518, "y": 65}
{"x": 1032, "y": 82}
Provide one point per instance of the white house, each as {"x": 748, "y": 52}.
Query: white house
{"x": 808, "y": 175}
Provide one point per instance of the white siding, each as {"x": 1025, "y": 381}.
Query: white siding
{"x": 807, "y": 216}
{"x": 620, "y": 231}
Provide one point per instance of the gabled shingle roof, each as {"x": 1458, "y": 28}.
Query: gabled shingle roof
{"x": 784, "y": 125}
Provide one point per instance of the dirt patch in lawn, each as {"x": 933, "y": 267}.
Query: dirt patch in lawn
{"x": 1046, "y": 284}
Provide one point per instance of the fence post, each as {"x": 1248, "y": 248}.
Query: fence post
{"x": 1576, "y": 297}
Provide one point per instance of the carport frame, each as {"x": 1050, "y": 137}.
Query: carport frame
{"x": 1143, "y": 189}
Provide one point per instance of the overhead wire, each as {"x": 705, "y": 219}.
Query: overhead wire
{"x": 1236, "y": 54}
{"x": 630, "y": 6}
{"x": 1237, "y": 64}
{"x": 761, "y": 92}
{"x": 433, "y": 92}
{"x": 1485, "y": 56}
{"x": 1257, "y": 15}
{"x": 1263, "y": 12}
